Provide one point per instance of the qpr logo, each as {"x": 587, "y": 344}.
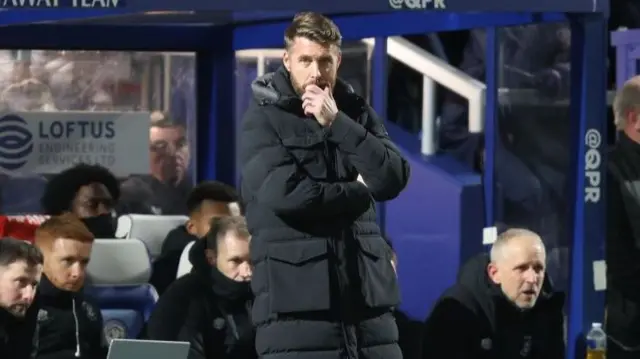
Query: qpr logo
{"x": 114, "y": 329}
{"x": 16, "y": 142}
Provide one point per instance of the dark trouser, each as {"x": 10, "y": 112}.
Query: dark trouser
{"x": 622, "y": 325}
{"x": 614, "y": 351}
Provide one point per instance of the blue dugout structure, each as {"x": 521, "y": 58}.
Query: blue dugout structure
{"x": 437, "y": 222}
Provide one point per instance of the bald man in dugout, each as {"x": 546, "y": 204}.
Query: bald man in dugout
{"x": 502, "y": 306}
{"x": 517, "y": 266}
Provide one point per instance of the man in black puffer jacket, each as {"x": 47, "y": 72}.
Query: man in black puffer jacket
{"x": 314, "y": 159}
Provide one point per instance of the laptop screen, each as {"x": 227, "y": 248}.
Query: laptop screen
{"x": 136, "y": 349}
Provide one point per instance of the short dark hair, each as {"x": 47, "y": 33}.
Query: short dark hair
{"x": 315, "y": 27}
{"x": 62, "y": 189}
{"x": 211, "y": 191}
{"x": 163, "y": 120}
{"x": 14, "y": 250}
{"x": 220, "y": 226}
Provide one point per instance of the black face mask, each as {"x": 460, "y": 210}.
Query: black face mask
{"x": 101, "y": 226}
{"x": 228, "y": 288}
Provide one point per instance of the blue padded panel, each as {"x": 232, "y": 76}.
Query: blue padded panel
{"x": 435, "y": 224}
{"x": 140, "y": 298}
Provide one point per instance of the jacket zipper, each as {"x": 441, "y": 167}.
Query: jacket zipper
{"x": 75, "y": 319}
{"x": 344, "y": 297}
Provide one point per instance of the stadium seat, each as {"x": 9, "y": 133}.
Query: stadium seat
{"x": 184, "y": 266}
{"x": 152, "y": 230}
{"x": 120, "y": 272}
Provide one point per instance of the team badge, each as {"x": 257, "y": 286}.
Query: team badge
{"x": 114, "y": 329}
{"x": 43, "y": 315}
{"x": 89, "y": 311}
{"x": 218, "y": 323}
{"x": 486, "y": 344}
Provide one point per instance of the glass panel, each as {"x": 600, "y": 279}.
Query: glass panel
{"x": 533, "y": 153}
{"x": 405, "y": 92}
{"x": 461, "y": 50}
{"x": 356, "y": 67}
{"x": 246, "y": 72}
{"x": 56, "y": 92}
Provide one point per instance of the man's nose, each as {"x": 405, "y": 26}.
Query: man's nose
{"x": 246, "y": 271}
{"x": 172, "y": 149}
{"x": 77, "y": 270}
{"x": 315, "y": 69}
{"x": 531, "y": 276}
{"x": 29, "y": 293}
{"x": 104, "y": 208}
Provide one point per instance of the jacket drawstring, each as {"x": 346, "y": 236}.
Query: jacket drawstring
{"x": 75, "y": 319}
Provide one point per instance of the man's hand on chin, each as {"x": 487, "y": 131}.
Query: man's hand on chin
{"x": 320, "y": 104}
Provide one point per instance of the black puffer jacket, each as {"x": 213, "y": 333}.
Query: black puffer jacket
{"x": 474, "y": 320}
{"x": 323, "y": 281}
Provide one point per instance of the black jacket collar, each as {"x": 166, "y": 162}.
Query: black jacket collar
{"x": 7, "y": 320}
{"x": 275, "y": 89}
{"x": 473, "y": 277}
{"x": 227, "y": 291}
{"x": 50, "y": 294}
{"x": 628, "y": 143}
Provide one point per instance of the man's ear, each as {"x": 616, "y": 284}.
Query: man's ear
{"x": 636, "y": 122}
{"x": 286, "y": 60}
{"x": 494, "y": 273}
{"x": 191, "y": 227}
{"x": 211, "y": 257}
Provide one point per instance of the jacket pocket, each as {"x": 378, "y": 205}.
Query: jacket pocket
{"x": 379, "y": 283}
{"x": 308, "y": 152}
{"x": 298, "y": 276}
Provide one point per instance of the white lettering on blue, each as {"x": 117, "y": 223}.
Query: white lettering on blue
{"x": 592, "y": 162}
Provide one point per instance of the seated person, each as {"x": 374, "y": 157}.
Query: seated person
{"x": 164, "y": 190}
{"x": 501, "y": 307}
{"x": 206, "y": 201}
{"x": 88, "y": 191}
{"x": 210, "y": 307}
{"x": 20, "y": 272}
{"x": 70, "y": 325}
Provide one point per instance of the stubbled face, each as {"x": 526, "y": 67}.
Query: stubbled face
{"x": 520, "y": 271}
{"x": 18, "y": 283}
{"x": 169, "y": 153}
{"x": 65, "y": 263}
{"x": 309, "y": 62}
{"x": 232, "y": 257}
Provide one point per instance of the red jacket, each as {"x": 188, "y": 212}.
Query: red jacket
{"x": 20, "y": 227}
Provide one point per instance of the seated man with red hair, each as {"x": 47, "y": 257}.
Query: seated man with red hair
{"x": 70, "y": 325}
